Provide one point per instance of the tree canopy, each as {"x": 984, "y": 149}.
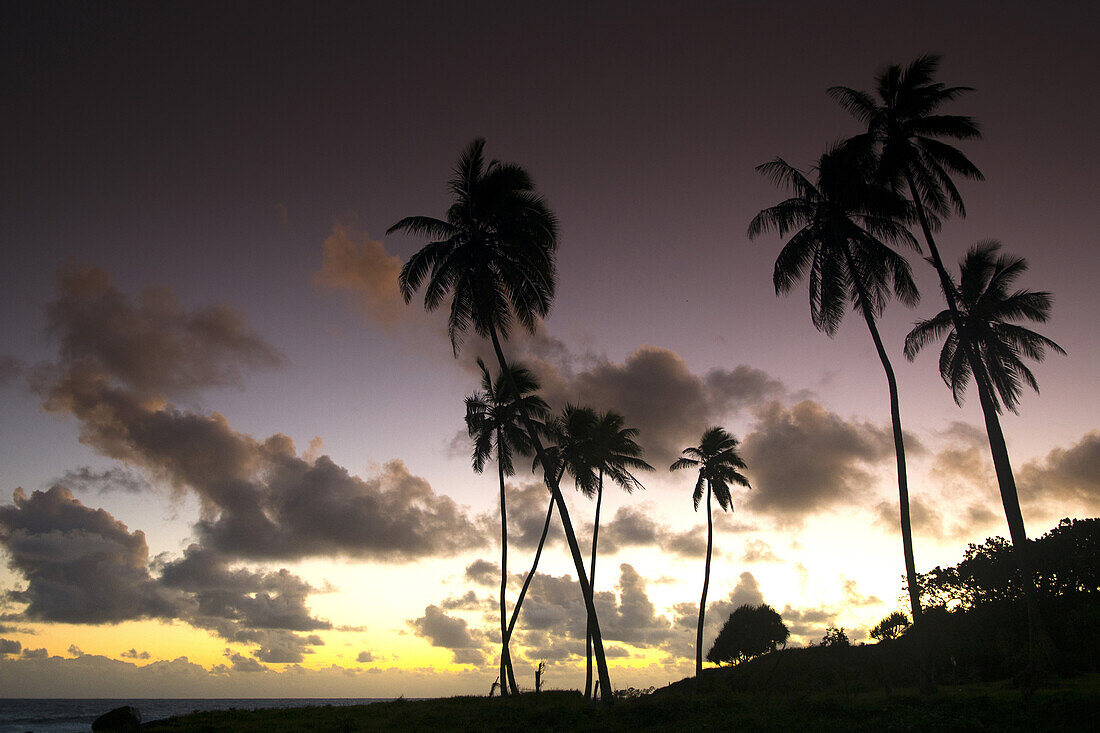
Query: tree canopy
{"x": 749, "y": 632}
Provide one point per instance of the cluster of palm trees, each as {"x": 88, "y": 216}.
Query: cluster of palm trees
{"x": 492, "y": 257}
{"x": 868, "y": 191}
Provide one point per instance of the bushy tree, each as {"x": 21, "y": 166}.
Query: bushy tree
{"x": 835, "y": 637}
{"x": 749, "y": 632}
{"x": 890, "y": 627}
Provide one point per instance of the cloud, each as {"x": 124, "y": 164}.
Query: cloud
{"x": 759, "y": 551}
{"x": 75, "y": 651}
{"x": 1064, "y": 476}
{"x": 451, "y": 633}
{"x": 242, "y": 663}
{"x": 804, "y": 459}
{"x": 354, "y": 263}
{"x": 132, "y": 653}
{"x": 659, "y": 395}
{"x": 364, "y": 657}
{"x": 8, "y": 646}
{"x": 853, "y": 597}
{"x": 483, "y": 572}
{"x": 11, "y": 369}
{"x": 633, "y": 526}
{"x": 963, "y": 520}
{"x": 154, "y": 347}
{"x": 35, "y": 653}
{"x": 118, "y": 365}
{"x": 249, "y": 599}
{"x": 116, "y": 478}
{"x": 82, "y": 565}
{"x": 686, "y": 619}
{"x": 808, "y": 623}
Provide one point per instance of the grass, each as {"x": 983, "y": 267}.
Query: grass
{"x": 1059, "y": 705}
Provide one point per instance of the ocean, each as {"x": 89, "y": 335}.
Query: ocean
{"x": 19, "y": 715}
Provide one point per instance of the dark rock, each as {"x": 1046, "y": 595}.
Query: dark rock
{"x": 120, "y": 720}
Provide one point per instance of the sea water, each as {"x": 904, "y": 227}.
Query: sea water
{"x": 18, "y": 715}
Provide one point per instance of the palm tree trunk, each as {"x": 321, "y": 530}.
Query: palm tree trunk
{"x": 507, "y": 675}
{"x": 531, "y": 573}
{"x": 570, "y": 536}
{"x": 1006, "y": 482}
{"x": 592, "y": 579}
{"x": 899, "y": 443}
{"x": 703, "y": 600}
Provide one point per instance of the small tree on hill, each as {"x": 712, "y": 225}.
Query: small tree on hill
{"x": 835, "y": 637}
{"x": 749, "y": 632}
{"x": 890, "y": 627}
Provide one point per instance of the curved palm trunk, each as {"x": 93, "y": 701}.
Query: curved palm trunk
{"x": 570, "y": 536}
{"x": 703, "y": 600}
{"x": 1006, "y": 482}
{"x": 592, "y": 579}
{"x": 507, "y": 675}
{"x": 531, "y": 572}
{"x": 899, "y": 445}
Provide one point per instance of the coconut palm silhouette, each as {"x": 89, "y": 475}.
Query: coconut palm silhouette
{"x": 492, "y": 420}
{"x": 719, "y": 465}
{"x": 493, "y": 256}
{"x": 839, "y": 228}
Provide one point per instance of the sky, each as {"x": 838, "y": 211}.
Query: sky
{"x": 233, "y": 462}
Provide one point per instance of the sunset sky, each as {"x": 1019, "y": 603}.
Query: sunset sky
{"x": 233, "y": 462}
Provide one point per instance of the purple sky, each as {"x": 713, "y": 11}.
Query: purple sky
{"x": 213, "y": 151}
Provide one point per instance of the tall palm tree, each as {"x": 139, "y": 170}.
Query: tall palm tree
{"x": 614, "y": 453}
{"x": 905, "y": 130}
{"x": 719, "y": 466}
{"x": 492, "y": 420}
{"x": 839, "y": 225}
{"x": 572, "y": 432}
{"x": 493, "y": 255}
{"x": 981, "y": 342}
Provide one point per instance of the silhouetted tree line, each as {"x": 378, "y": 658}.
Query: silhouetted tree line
{"x": 976, "y": 610}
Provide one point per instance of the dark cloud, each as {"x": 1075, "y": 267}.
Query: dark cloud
{"x": 659, "y": 395}
{"x": 116, "y": 478}
{"x": 11, "y": 369}
{"x": 247, "y": 598}
{"x": 452, "y": 633}
{"x": 804, "y": 459}
{"x": 241, "y": 663}
{"x": 633, "y": 619}
{"x": 9, "y": 646}
{"x": 120, "y": 362}
{"x": 154, "y": 347}
{"x": 1065, "y": 476}
{"x": 35, "y": 653}
{"x": 75, "y": 651}
{"x": 364, "y": 657}
{"x": 262, "y": 500}
{"x": 483, "y": 572}
{"x": 132, "y": 653}
{"x": 633, "y": 526}
{"x": 81, "y": 564}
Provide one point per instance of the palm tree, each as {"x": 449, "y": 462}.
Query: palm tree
{"x": 838, "y": 226}
{"x": 981, "y": 342}
{"x": 615, "y": 453}
{"x": 904, "y": 128}
{"x": 492, "y": 421}
{"x": 986, "y": 308}
{"x": 572, "y": 433}
{"x": 494, "y": 256}
{"x": 719, "y": 466}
